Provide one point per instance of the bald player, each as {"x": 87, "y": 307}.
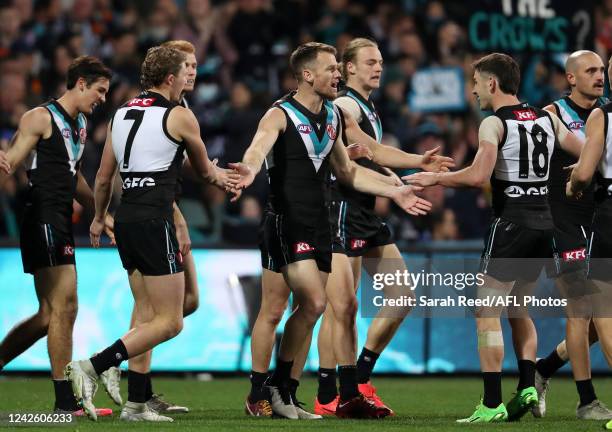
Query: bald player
{"x": 572, "y": 227}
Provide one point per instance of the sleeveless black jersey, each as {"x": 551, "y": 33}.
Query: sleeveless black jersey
{"x": 52, "y": 167}
{"x": 149, "y": 159}
{"x": 371, "y": 125}
{"x": 603, "y": 176}
{"x": 179, "y": 179}
{"x": 519, "y": 180}
{"x": 298, "y": 165}
{"x": 574, "y": 117}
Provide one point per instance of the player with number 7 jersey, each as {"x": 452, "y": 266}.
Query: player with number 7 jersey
{"x": 515, "y": 147}
{"x": 145, "y": 141}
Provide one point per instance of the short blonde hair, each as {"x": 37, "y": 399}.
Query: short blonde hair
{"x": 181, "y": 45}
{"x": 350, "y": 52}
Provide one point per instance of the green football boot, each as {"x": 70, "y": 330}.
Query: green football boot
{"x": 521, "y": 402}
{"x": 484, "y": 414}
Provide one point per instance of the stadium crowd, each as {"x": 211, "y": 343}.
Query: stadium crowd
{"x": 242, "y": 49}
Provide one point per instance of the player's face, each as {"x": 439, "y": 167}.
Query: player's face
{"x": 192, "y": 66}
{"x": 93, "y": 95}
{"x": 178, "y": 84}
{"x": 589, "y": 76}
{"x": 368, "y": 67}
{"x": 481, "y": 90}
{"x": 326, "y": 75}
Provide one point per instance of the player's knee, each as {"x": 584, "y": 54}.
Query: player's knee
{"x": 66, "y": 308}
{"x": 192, "y": 302}
{"x": 579, "y": 325}
{"x": 314, "y": 308}
{"x": 274, "y": 315}
{"x": 43, "y": 317}
{"x": 172, "y": 327}
{"x": 347, "y": 309}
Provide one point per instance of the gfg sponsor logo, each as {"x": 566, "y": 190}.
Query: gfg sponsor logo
{"x": 515, "y": 191}
{"x": 136, "y": 182}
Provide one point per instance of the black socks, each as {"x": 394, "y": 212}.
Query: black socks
{"x": 281, "y": 374}
{"x": 258, "y": 380}
{"x": 492, "y": 389}
{"x": 586, "y": 392}
{"x": 111, "y": 356}
{"x": 64, "y": 399}
{"x": 526, "y": 374}
{"x": 347, "y": 376}
{"x": 137, "y": 387}
{"x": 365, "y": 365}
{"x": 327, "y": 391}
{"x": 549, "y": 365}
{"x": 148, "y": 387}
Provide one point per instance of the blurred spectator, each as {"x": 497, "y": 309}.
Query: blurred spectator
{"x": 445, "y": 225}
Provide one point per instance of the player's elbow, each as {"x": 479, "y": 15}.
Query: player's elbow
{"x": 103, "y": 180}
{"x": 581, "y": 178}
{"x": 479, "y": 180}
{"x": 345, "y": 173}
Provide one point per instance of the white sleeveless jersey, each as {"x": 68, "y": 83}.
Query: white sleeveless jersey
{"x": 149, "y": 159}
{"x": 519, "y": 180}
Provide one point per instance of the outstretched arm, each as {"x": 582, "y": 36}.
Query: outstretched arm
{"x": 392, "y": 157}
{"x": 183, "y": 125}
{"x": 479, "y": 172}
{"x": 368, "y": 181}
{"x": 270, "y": 126}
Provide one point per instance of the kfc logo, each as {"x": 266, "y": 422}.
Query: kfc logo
{"x": 141, "y": 102}
{"x": 68, "y": 251}
{"x": 331, "y": 131}
{"x": 524, "y": 115}
{"x": 358, "y": 244}
{"x": 302, "y": 247}
{"x": 574, "y": 255}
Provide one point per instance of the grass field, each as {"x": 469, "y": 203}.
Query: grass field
{"x": 424, "y": 404}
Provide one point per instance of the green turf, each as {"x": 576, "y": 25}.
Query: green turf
{"x": 424, "y": 404}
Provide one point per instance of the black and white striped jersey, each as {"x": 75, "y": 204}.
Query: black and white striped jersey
{"x": 149, "y": 159}
{"x": 520, "y": 177}
{"x": 603, "y": 190}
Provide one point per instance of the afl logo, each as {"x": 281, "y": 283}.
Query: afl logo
{"x": 66, "y": 133}
{"x": 83, "y": 135}
{"x": 576, "y": 125}
{"x": 304, "y": 128}
{"x": 331, "y": 131}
